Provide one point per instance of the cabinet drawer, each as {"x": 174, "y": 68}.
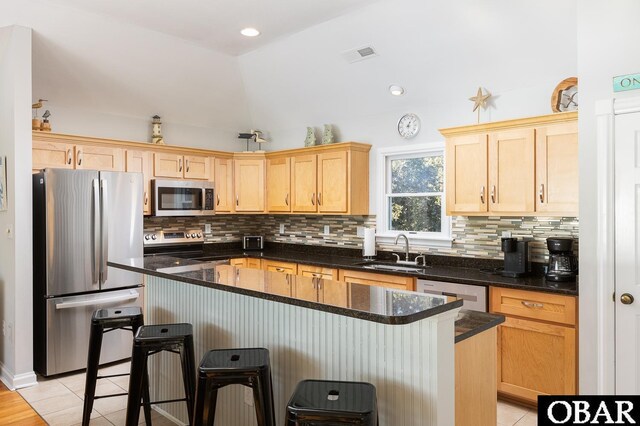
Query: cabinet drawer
{"x": 318, "y": 272}
{"x": 381, "y": 280}
{"x": 283, "y": 267}
{"x": 254, "y": 263}
{"x": 535, "y": 305}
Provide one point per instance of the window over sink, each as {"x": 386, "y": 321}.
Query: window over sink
{"x": 412, "y": 200}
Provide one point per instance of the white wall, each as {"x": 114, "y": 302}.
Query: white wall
{"x": 439, "y": 51}
{"x": 106, "y": 78}
{"x": 607, "y": 35}
{"x": 16, "y": 348}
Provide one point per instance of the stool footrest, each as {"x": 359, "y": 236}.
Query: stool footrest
{"x": 166, "y": 401}
{"x": 110, "y": 395}
{"x": 113, "y": 375}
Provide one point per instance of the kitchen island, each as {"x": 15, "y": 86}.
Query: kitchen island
{"x": 402, "y": 342}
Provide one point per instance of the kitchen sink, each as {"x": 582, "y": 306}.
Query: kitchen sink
{"x": 393, "y": 267}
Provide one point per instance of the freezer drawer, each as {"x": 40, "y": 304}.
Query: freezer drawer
{"x": 69, "y": 323}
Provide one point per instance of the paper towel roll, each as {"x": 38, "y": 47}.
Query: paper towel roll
{"x": 369, "y": 243}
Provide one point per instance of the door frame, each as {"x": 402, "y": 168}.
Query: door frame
{"x": 604, "y": 292}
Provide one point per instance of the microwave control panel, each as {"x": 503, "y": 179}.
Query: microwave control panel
{"x": 208, "y": 199}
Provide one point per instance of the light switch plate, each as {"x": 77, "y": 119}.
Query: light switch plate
{"x": 207, "y": 228}
{"x": 327, "y": 230}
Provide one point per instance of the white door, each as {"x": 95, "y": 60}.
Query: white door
{"x": 627, "y": 249}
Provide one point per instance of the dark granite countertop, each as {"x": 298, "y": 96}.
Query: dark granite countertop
{"x": 440, "y": 268}
{"x": 370, "y": 303}
{"x": 469, "y": 323}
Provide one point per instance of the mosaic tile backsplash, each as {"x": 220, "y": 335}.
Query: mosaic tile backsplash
{"x": 472, "y": 236}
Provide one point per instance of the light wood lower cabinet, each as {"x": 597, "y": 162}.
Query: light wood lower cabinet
{"x": 283, "y": 267}
{"x": 476, "y": 396}
{"x": 246, "y": 262}
{"x": 318, "y": 272}
{"x": 382, "y": 280}
{"x": 323, "y": 287}
{"x": 537, "y": 345}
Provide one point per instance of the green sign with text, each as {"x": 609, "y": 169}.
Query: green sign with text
{"x": 626, "y": 82}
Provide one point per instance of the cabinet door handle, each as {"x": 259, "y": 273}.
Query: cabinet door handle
{"x": 493, "y": 194}
{"x": 286, "y": 199}
{"x": 69, "y": 159}
{"x": 279, "y": 269}
{"x": 533, "y": 305}
{"x": 541, "y": 193}
{"x": 217, "y": 199}
{"x": 313, "y": 199}
{"x": 180, "y": 164}
{"x": 237, "y": 200}
{"x": 146, "y": 198}
{"x": 186, "y": 162}
{"x": 319, "y": 198}
{"x": 482, "y": 194}
{"x": 79, "y": 158}
{"x": 315, "y": 275}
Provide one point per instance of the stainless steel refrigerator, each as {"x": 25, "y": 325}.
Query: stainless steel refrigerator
{"x": 82, "y": 218}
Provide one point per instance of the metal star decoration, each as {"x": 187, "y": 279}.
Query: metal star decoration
{"x": 480, "y": 100}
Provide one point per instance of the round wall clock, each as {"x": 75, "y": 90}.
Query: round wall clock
{"x": 565, "y": 95}
{"x": 409, "y": 125}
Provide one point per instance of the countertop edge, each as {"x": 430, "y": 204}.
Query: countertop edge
{"x": 488, "y": 322}
{"x": 382, "y": 319}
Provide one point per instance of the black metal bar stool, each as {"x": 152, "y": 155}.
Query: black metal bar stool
{"x": 248, "y": 367}
{"x": 104, "y": 321}
{"x": 150, "y": 340}
{"x": 325, "y": 402}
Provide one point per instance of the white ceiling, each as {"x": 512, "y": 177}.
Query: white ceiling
{"x": 216, "y": 24}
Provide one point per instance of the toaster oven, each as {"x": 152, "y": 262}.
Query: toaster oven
{"x": 253, "y": 242}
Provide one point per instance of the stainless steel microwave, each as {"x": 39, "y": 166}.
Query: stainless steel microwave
{"x": 182, "y": 198}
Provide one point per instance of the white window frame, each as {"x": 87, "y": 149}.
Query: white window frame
{"x": 416, "y": 239}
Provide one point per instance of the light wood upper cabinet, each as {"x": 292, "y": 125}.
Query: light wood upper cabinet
{"x": 304, "y": 183}
{"x": 140, "y": 161}
{"x": 169, "y": 165}
{"x": 466, "y": 159}
{"x": 57, "y": 155}
{"x": 223, "y": 180}
{"x": 99, "y": 158}
{"x": 517, "y": 167}
{"x": 333, "y": 189}
{"x": 557, "y": 169}
{"x": 511, "y": 171}
{"x": 279, "y": 184}
{"x": 249, "y": 188}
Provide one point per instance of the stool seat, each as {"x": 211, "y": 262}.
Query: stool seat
{"x": 150, "y": 340}
{"x": 102, "y": 321}
{"x": 248, "y": 367}
{"x": 333, "y": 402}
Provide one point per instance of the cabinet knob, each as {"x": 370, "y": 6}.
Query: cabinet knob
{"x": 626, "y": 299}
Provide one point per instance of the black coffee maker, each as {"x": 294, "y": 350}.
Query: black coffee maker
{"x": 563, "y": 265}
{"x": 516, "y": 257}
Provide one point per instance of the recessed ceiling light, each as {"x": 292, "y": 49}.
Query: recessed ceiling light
{"x": 396, "y": 90}
{"x": 250, "y": 32}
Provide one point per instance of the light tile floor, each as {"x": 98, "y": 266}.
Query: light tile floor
{"x": 510, "y": 414}
{"x": 59, "y": 400}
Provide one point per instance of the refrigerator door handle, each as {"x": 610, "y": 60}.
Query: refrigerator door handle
{"x": 96, "y": 232}
{"x": 133, "y": 295}
{"x": 104, "y": 227}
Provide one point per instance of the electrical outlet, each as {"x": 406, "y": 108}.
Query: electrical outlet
{"x": 282, "y": 228}
{"x": 327, "y": 230}
{"x": 506, "y": 234}
{"x": 207, "y": 228}
{"x": 248, "y": 396}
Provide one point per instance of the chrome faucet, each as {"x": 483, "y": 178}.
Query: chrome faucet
{"x": 406, "y": 250}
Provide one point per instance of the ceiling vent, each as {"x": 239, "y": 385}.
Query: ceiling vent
{"x": 359, "y": 54}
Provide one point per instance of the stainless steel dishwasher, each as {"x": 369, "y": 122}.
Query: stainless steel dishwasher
{"x": 474, "y": 296}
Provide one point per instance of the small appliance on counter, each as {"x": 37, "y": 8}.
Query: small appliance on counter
{"x": 516, "y": 257}
{"x": 563, "y": 265}
{"x": 253, "y": 242}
